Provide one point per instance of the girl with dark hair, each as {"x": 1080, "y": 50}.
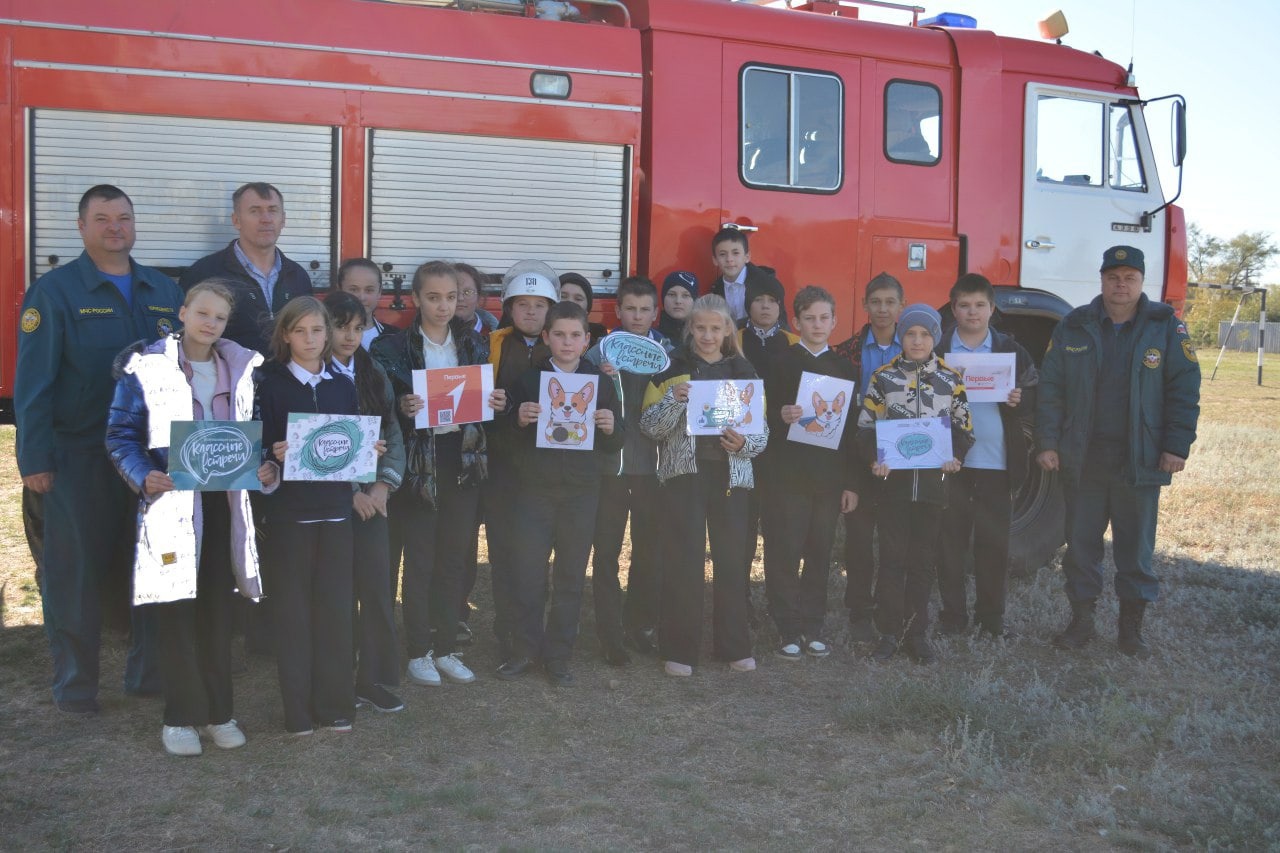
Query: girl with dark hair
{"x": 436, "y": 508}
{"x": 361, "y": 278}
{"x": 469, "y": 293}
{"x": 378, "y": 664}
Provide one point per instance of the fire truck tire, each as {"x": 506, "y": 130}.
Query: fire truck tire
{"x": 1037, "y": 529}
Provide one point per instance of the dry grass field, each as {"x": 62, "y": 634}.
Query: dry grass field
{"x": 1011, "y": 746}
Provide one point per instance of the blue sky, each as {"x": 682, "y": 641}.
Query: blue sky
{"x": 1222, "y": 57}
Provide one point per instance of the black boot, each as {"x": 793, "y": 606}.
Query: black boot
{"x": 1081, "y": 628}
{"x": 1131, "y": 642}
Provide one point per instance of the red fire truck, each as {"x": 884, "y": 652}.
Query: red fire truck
{"x": 602, "y": 136}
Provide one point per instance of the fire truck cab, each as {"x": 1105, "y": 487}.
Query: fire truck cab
{"x": 607, "y": 137}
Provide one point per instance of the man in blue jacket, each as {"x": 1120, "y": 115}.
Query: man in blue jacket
{"x": 1116, "y": 415}
{"x": 75, "y": 319}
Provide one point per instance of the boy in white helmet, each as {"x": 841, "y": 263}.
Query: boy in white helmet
{"x": 529, "y": 288}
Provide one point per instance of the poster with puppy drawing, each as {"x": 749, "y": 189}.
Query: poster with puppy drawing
{"x": 568, "y": 402}
{"x": 719, "y": 404}
{"x": 828, "y": 404}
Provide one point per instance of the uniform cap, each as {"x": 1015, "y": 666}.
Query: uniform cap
{"x": 1123, "y": 256}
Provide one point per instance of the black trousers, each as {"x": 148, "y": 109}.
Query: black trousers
{"x": 908, "y": 537}
{"x": 978, "y": 510}
{"x": 499, "y": 495}
{"x": 697, "y": 507}
{"x": 195, "y": 633}
{"x": 796, "y": 527}
{"x": 311, "y": 585}
{"x": 859, "y": 551}
{"x": 378, "y": 653}
{"x": 637, "y": 495}
{"x": 435, "y": 557}
{"x": 560, "y": 518}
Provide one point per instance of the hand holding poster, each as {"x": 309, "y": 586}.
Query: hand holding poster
{"x": 827, "y": 404}
{"x": 215, "y": 456}
{"x": 331, "y": 447}
{"x": 453, "y": 395}
{"x": 988, "y": 376}
{"x": 719, "y": 404}
{"x": 914, "y": 443}
{"x": 634, "y": 354}
{"x": 568, "y": 408}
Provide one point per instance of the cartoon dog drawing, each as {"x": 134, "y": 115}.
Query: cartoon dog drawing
{"x": 568, "y": 423}
{"x": 826, "y": 416}
{"x": 732, "y": 408}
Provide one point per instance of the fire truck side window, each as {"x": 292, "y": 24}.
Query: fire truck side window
{"x": 1070, "y": 134}
{"x": 912, "y": 123}
{"x": 1126, "y": 165}
{"x": 792, "y": 129}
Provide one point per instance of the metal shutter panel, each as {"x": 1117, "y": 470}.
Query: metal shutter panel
{"x": 180, "y": 173}
{"x": 491, "y": 202}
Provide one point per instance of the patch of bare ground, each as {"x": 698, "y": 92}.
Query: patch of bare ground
{"x": 1000, "y": 746}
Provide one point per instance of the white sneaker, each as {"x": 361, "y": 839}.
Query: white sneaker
{"x": 180, "y": 740}
{"x": 452, "y": 668}
{"x": 423, "y": 671}
{"x": 744, "y": 665}
{"x": 817, "y": 649}
{"x": 226, "y": 735}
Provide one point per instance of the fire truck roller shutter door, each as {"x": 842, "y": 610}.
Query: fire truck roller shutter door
{"x": 180, "y": 173}
{"x": 492, "y": 201}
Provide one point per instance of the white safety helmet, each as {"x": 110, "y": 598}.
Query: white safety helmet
{"x": 531, "y": 278}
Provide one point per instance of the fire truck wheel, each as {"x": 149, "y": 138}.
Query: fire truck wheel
{"x": 1039, "y": 522}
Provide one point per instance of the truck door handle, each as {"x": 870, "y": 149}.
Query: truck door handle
{"x": 1040, "y": 244}
{"x": 740, "y": 227}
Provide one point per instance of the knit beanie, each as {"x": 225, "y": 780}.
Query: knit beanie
{"x": 764, "y": 284}
{"x": 581, "y": 281}
{"x": 680, "y": 278}
{"x": 921, "y": 314}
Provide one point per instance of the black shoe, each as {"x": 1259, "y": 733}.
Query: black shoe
{"x": 920, "y": 650}
{"x": 615, "y": 654}
{"x": 78, "y": 706}
{"x": 379, "y": 698}
{"x": 1080, "y": 630}
{"x": 464, "y": 635}
{"x": 514, "y": 668}
{"x": 558, "y": 673}
{"x": 862, "y": 629}
{"x": 342, "y": 725}
{"x": 645, "y": 641}
{"x": 885, "y": 649}
{"x": 1130, "y": 639}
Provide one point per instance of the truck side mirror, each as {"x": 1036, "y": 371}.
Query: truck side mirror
{"x": 1179, "y": 132}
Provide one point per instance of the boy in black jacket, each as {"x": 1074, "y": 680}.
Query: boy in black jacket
{"x": 556, "y": 504}
{"x": 980, "y": 501}
{"x": 807, "y": 487}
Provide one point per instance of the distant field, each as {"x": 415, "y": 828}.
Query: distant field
{"x": 999, "y": 747}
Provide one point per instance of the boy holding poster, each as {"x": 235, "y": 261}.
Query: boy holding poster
{"x": 996, "y": 465}
{"x": 811, "y": 478}
{"x": 568, "y": 423}
{"x": 629, "y": 487}
{"x": 915, "y": 386}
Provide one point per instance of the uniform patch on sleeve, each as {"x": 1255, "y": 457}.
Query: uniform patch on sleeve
{"x": 164, "y": 327}
{"x": 30, "y": 320}
{"x": 1188, "y": 350}
{"x": 1151, "y": 358}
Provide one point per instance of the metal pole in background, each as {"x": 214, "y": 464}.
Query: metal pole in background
{"x": 1227, "y": 339}
{"x": 1262, "y": 330}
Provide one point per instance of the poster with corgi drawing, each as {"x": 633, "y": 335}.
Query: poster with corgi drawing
{"x": 717, "y": 404}
{"x": 568, "y": 402}
{"x": 454, "y": 395}
{"x": 828, "y": 405}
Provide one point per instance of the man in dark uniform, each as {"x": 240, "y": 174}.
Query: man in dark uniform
{"x": 75, "y": 319}
{"x": 1117, "y": 412}
{"x": 265, "y": 279}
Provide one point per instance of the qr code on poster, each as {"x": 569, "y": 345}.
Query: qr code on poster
{"x": 445, "y": 417}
